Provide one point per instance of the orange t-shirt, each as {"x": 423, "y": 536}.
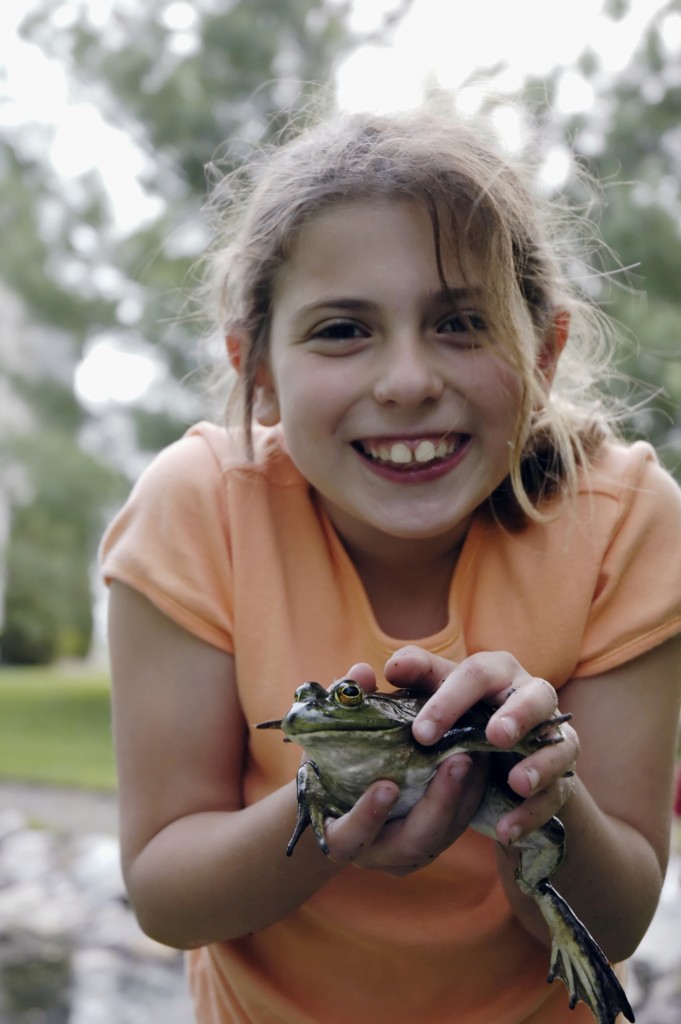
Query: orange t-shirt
{"x": 240, "y": 554}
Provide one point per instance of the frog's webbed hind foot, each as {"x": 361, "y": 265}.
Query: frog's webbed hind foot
{"x": 578, "y": 960}
{"x": 313, "y": 807}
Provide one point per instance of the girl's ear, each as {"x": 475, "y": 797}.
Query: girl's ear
{"x": 235, "y": 343}
{"x": 553, "y": 343}
{"x": 265, "y": 402}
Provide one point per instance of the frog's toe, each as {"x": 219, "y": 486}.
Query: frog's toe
{"x": 314, "y": 807}
{"x": 537, "y": 737}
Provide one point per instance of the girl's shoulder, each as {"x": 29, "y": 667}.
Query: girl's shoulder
{"x": 228, "y": 448}
{"x": 207, "y": 454}
{"x": 633, "y": 477}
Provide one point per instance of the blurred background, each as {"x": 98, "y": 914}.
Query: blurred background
{"x": 110, "y": 113}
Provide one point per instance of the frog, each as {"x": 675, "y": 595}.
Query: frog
{"x": 352, "y": 738}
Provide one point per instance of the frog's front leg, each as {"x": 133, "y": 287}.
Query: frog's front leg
{"x": 473, "y": 737}
{"x": 314, "y": 806}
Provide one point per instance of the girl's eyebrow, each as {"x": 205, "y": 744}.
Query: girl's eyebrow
{"x": 440, "y": 297}
{"x": 458, "y": 295}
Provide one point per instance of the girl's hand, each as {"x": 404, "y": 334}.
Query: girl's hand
{"x": 544, "y": 778}
{"x": 365, "y": 837}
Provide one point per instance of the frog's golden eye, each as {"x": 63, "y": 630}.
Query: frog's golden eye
{"x": 349, "y": 694}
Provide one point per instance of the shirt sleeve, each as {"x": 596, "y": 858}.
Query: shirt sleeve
{"x": 170, "y": 541}
{"x": 637, "y": 603}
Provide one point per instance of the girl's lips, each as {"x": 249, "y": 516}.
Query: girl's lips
{"x": 410, "y": 453}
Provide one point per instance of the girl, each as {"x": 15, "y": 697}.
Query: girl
{"x": 421, "y": 485}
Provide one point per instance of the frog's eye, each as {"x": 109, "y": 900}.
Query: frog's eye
{"x": 349, "y": 694}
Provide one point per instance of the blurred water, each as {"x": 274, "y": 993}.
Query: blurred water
{"x": 71, "y": 951}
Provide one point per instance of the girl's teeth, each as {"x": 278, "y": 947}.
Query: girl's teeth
{"x": 425, "y": 451}
{"x": 402, "y": 454}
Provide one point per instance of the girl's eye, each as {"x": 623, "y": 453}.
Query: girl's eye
{"x": 339, "y": 330}
{"x": 463, "y": 323}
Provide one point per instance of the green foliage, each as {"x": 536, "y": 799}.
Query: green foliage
{"x": 28, "y": 190}
{"x": 183, "y": 97}
{"x": 48, "y": 607}
{"x": 641, "y": 222}
{"x": 629, "y": 141}
{"x": 55, "y": 728}
{"x": 178, "y": 94}
{"x": 206, "y": 91}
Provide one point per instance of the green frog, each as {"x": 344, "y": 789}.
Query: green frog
{"x": 354, "y": 738}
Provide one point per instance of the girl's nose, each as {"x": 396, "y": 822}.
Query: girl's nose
{"x": 406, "y": 373}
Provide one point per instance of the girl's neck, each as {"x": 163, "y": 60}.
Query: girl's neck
{"x": 409, "y": 589}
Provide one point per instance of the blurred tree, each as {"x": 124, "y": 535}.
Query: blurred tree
{"x": 629, "y": 137}
{"x": 48, "y": 597}
{"x": 176, "y": 80}
{"x": 170, "y": 81}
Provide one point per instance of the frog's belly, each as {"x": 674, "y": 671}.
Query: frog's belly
{"x": 347, "y": 775}
{"x": 409, "y": 794}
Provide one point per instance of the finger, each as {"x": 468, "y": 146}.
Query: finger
{"x": 349, "y": 835}
{"x": 362, "y": 674}
{"x": 531, "y": 814}
{"x": 545, "y": 766}
{"x": 415, "y": 668}
{"x": 434, "y": 822}
{"x": 443, "y": 812}
{"x": 531, "y": 701}
{"x": 483, "y": 676}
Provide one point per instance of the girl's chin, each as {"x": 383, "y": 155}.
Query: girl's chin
{"x": 385, "y": 529}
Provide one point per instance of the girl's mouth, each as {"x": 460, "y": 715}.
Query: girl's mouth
{"x": 411, "y": 453}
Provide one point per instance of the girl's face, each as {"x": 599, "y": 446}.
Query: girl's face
{"x": 395, "y": 411}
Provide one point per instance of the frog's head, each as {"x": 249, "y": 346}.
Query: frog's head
{"x": 344, "y": 706}
{"x": 354, "y": 738}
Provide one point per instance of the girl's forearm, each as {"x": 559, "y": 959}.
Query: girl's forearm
{"x": 219, "y": 875}
{"x": 610, "y": 876}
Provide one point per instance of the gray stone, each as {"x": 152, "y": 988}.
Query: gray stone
{"x": 71, "y": 951}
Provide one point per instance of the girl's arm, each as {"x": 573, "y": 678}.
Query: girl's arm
{"x": 200, "y": 867}
{"x": 618, "y": 819}
{"x": 616, "y": 810}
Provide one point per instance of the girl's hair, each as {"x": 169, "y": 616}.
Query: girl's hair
{"x": 480, "y": 204}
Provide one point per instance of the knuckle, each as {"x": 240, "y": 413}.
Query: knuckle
{"x": 410, "y": 854}
{"x": 474, "y": 668}
{"x": 548, "y": 690}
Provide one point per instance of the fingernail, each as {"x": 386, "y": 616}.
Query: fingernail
{"x": 510, "y": 728}
{"x": 533, "y": 777}
{"x": 385, "y": 797}
{"x": 514, "y": 833}
{"x": 459, "y": 768}
{"x": 426, "y": 730}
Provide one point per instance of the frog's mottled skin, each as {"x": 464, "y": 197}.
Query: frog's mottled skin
{"x": 354, "y": 738}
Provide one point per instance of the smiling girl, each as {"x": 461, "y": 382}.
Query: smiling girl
{"x": 422, "y": 486}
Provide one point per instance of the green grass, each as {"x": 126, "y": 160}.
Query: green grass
{"x": 55, "y": 728}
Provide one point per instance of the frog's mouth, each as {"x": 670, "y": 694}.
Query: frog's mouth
{"x": 336, "y": 727}
{"x": 329, "y": 728}
{"x": 274, "y": 723}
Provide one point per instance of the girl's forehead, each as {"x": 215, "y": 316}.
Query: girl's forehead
{"x": 366, "y": 254}
{"x": 387, "y": 226}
